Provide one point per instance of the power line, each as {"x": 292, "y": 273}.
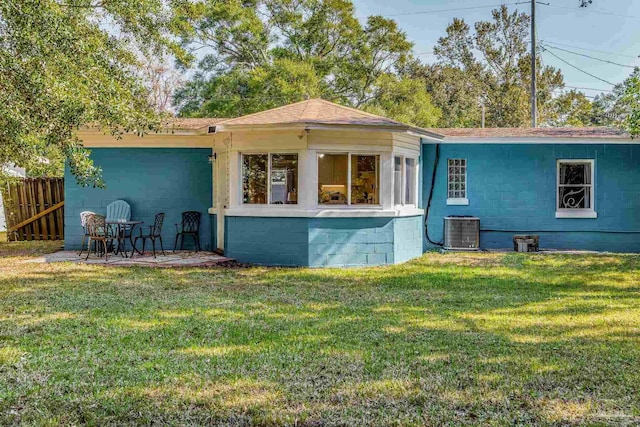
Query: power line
{"x": 588, "y": 88}
{"x": 577, "y": 68}
{"x": 424, "y": 12}
{"x": 589, "y": 11}
{"x": 590, "y": 50}
{"x": 589, "y": 56}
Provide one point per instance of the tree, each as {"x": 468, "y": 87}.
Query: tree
{"x": 60, "y": 69}
{"x": 267, "y": 53}
{"x": 405, "y": 100}
{"x": 162, "y": 80}
{"x": 570, "y": 109}
{"x": 632, "y": 99}
{"x": 489, "y": 66}
{"x": 613, "y": 108}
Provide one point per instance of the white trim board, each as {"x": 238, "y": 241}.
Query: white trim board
{"x": 538, "y": 141}
{"x": 288, "y": 211}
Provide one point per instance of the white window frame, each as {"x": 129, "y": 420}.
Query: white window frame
{"x": 269, "y": 155}
{"x": 576, "y": 213}
{"x": 349, "y": 205}
{"x": 459, "y": 201}
{"x": 403, "y": 180}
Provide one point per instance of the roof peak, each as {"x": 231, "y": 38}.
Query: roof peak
{"x": 312, "y": 111}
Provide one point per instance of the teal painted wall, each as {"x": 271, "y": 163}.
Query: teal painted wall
{"x": 151, "y": 180}
{"x": 268, "y": 241}
{"x": 323, "y": 242}
{"x": 336, "y": 242}
{"x": 512, "y": 189}
{"x": 407, "y": 241}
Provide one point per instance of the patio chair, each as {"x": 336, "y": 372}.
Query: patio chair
{"x": 85, "y": 233}
{"x": 155, "y": 232}
{"x": 190, "y": 225}
{"x": 98, "y": 231}
{"x": 118, "y": 210}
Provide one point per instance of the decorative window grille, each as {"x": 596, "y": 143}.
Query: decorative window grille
{"x": 575, "y": 184}
{"x": 457, "y": 179}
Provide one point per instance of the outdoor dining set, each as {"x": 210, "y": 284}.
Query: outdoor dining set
{"x": 110, "y": 233}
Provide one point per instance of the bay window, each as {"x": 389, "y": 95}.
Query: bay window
{"x": 269, "y": 179}
{"x": 348, "y": 179}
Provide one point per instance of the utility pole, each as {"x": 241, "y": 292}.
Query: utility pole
{"x": 534, "y": 97}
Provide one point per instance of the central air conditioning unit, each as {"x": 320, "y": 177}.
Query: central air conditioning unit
{"x": 462, "y": 233}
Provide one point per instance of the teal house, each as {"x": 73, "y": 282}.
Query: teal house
{"x": 322, "y": 185}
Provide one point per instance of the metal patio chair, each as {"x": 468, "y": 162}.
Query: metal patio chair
{"x": 190, "y": 225}
{"x": 99, "y": 232}
{"x": 85, "y": 234}
{"x": 155, "y": 232}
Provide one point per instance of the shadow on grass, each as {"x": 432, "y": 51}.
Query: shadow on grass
{"x": 506, "y": 340}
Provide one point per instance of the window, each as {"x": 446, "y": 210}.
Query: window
{"x": 410, "y": 186}
{"x": 365, "y": 180}
{"x": 280, "y": 189}
{"x": 457, "y": 182}
{"x": 575, "y": 189}
{"x": 348, "y": 179}
{"x": 284, "y": 179}
{"x": 332, "y": 179}
{"x": 254, "y": 179}
{"x": 397, "y": 180}
{"x": 404, "y": 180}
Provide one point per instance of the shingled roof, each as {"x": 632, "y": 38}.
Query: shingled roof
{"x": 316, "y": 112}
{"x": 511, "y": 133}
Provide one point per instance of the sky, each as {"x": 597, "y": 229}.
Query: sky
{"x": 607, "y": 25}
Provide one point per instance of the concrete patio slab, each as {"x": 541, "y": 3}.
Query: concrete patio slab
{"x": 171, "y": 259}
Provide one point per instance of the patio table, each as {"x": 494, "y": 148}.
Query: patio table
{"x": 121, "y": 236}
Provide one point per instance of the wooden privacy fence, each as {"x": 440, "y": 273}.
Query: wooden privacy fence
{"x": 34, "y": 209}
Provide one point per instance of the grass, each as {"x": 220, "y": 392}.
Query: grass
{"x": 457, "y": 339}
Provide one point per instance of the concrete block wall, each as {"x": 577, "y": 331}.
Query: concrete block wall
{"x": 351, "y": 241}
{"x": 323, "y": 242}
{"x": 408, "y": 235}
{"x": 512, "y": 189}
{"x": 267, "y": 241}
{"x": 151, "y": 180}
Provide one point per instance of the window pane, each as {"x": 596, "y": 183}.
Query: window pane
{"x": 332, "y": 179}
{"x": 254, "y": 178}
{"x": 397, "y": 180}
{"x": 410, "y": 186}
{"x": 575, "y": 173}
{"x": 574, "y": 197}
{"x": 364, "y": 179}
{"x": 284, "y": 179}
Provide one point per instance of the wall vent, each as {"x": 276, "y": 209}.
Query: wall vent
{"x": 462, "y": 233}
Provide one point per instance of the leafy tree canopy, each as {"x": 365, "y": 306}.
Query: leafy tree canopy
{"x": 67, "y": 63}
{"x": 267, "y": 53}
{"x": 489, "y": 65}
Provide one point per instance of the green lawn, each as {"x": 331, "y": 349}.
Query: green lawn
{"x": 477, "y": 339}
